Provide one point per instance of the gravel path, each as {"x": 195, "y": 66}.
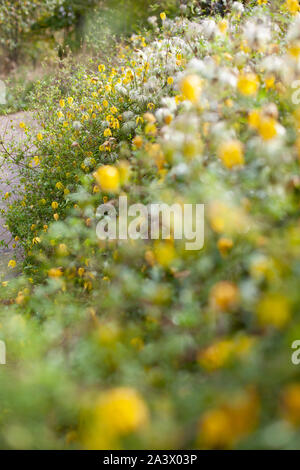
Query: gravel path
{"x": 10, "y": 134}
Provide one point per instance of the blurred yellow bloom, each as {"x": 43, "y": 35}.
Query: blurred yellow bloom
{"x": 225, "y": 245}
{"x": 294, "y": 50}
{"x": 117, "y": 412}
{"x": 81, "y": 272}
{"x": 222, "y": 26}
{"x": 12, "y": 263}
{"x": 62, "y": 249}
{"x": 62, "y": 103}
{"x": 164, "y": 252}
{"x": 191, "y": 87}
{"x": 224, "y": 426}
{"x": 291, "y": 403}
{"x": 54, "y": 205}
{"x": 270, "y": 82}
{"x": 224, "y": 296}
{"x": 107, "y": 132}
{"x": 150, "y": 129}
{"x": 216, "y": 355}
{"x": 55, "y": 272}
{"x": 292, "y": 6}
{"x": 163, "y": 16}
{"x": 273, "y": 310}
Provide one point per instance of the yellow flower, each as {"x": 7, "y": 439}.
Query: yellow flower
{"x": 254, "y": 119}
{"x": 216, "y": 429}
{"x": 273, "y": 310}
{"x": 164, "y": 252}
{"x": 118, "y": 412}
{"x": 294, "y": 50}
{"x": 150, "y": 118}
{"x": 22, "y": 125}
{"x": 270, "y": 81}
{"x": 80, "y": 272}
{"x": 62, "y": 103}
{"x": 107, "y": 132}
{"x": 56, "y": 217}
{"x": 54, "y": 205}
{"x": 222, "y": 26}
{"x": 231, "y": 153}
{"x": 168, "y": 119}
{"x": 12, "y": 263}
{"x": 70, "y": 100}
{"x": 108, "y": 178}
{"x": 40, "y": 136}
{"x": 248, "y": 84}
{"x": 224, "y": 296}
{"x": 267, "y": 128}
{"x": 59, "y": 185}
{"x": 224, "y": 426}
{"x": 216, "y": 355}
{"x": 62, "y": 249}
{"x": 124, "y": 171}
{"x": 191, "y": 88}
{"x": 150, "y": 129}
{"x": 137, "y": 141}
{"x": 163, "y": 16}
{"x": 291, "y": 403}
{"x": 225, "y": 245}
{"x": 123, "y": 409}
{"x": 55, "y": 272}
{"x": 292, "y": 6}
{"x": 170, "y": 80}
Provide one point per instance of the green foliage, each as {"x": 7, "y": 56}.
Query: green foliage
{"x": 16, "y": 19}
{"x": 143, "y": 344}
